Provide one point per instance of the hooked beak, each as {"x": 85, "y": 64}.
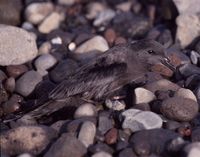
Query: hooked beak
{"x": 166, "y": 62}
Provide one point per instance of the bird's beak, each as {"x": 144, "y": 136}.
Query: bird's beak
{"x": 166, "y": 62}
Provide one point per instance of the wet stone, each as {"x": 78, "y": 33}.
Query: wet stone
{"x": 189, "y": 69}
{"x": 111, "y": 136}
{"x": 85, "y": 110}
{"x": 185, "y": 93}
{"x": 194, "y": 56}
{"x": 16, "y": 70}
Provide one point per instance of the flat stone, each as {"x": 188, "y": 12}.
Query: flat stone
{"x": 85, "y": 110}
{"x": 27, "y": 82}
{"x": 31, "y": 139}
{"x": 12, "y": 51}
{"x": 143, "y": 95}
{"x": 36, "y": 12}
{"x": 102, "y": 154}
{"x": 97, "y": 43}
{"x": 87, "y": 133}
{"x": 185, "y": 93}
{"x": 66, "y": 146}
{"x": 180, "y": 109}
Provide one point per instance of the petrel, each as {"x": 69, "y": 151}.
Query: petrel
{"x": 103, "y": 75}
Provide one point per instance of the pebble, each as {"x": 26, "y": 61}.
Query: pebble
{"x": 146, "y": 142}
{"x": 137, "y": 120}
{"x": 63, "y": 69}
{"x": 59, "y": 124}
{"x": 26, "y": 120}
{"x": 143, "y": 107}
{"x": 26, "y": 139}
{"x": 110, "y": 35}
{"x": 25, "y": 155}
{"x": 105, "y": 123}
{"x": 194, "y": 56}
{"x": 16, "y": 70}
{"x": 10, "y": 84}
{"x": 10, "y": 12}
{"x": 66, "y": 146}
{"x": 189, "y": 69}
{"x": 111, "y": 136}
{"x": 179, "y": 108}
{"x": 185, "y": 93}
{"x": 27, "y": 82}
{"x": 127, "y": 152}
{"x": 45, "y": 48}
{"x": 85, "y": 110}
{"x": 50, "y": 23}
{"x": 143, "y": 95}
{"x": 102, "y": 154}
{"x": 192, "y": 150}
{"x": 196, "y": 135}
{"x": 87, "y": 133}
{"x": 100, "y": 147}
{"x": 97, "y": 43}
{"x": 103, "y": 17}
{"x": 37, "y": 12}
{"x": 115, "y": 104}
{"x": 45, "y": 62}
{"x": 162, "y": 84}
{"x": 66, "y": 2}
{"x": 12, "y": 51}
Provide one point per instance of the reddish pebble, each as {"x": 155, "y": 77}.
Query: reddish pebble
{"x": 111, "y": 136}
{"x": 110, "y": 35}
{"x": 16, "y": 70}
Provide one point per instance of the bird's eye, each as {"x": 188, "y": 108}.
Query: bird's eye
{"x": 166, "y": 59}
{"x": 151, "y": 52}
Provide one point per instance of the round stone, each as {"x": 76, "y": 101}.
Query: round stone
{"x": 185, "y": 93}
{"x": 16, "y": 70}
{"x": 85, "y": 110}
{"x": 180, "y": 109}
{"x": 101, "y": 154}
{"x": 12, "y": 51}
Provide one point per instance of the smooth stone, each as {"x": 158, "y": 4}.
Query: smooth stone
{"x": 146, "y": 142}
{"x": 111, "y": 136}
{"x": 187, "y": 28}
{"x": 59, "y": 124}
{"x": 27, "y": 82}
{"x": 16, "y": 70}
{"x": 87, "y": 133}
{"x": 185, "y": 93}
{"x": 10, "y": 12}
{"x": 12, "y": 51}
{"x": 66, "y": 2}
{"x": 66, "y": 146}
{"x": 25, "y": 155}
{"x": 105, "y": 123}
{"x": 197, "y": 93}
{"x": 51, "y": 22}
{"x": 103, "y": 17}
{"x": 163, "y": 84}
{"x": 127, "y": 152}
{"x": 10, "y": 84}
{"x": 192, "y": 149}
{"x": 188, "y": 70}
{"x": 179, "y": 109}
{"x": 194, "y": 56}
{"x": 175, "y": 145}
{"x": 141, "y": 120}
{"x": 115, "y": 105}
{"x": 85, "y": 110}
{"x": 102, "y": 154}
{"x": 26, "y": 139}
{"x": 45, "y": 62}
{"x": 36, "y": 12}
{"x": 97, "y": 43}
{"x": 63, "y": 69}
{"x": 172, "y": 125}
{"x": 196, "y": 135}
{"x": 45, "y": 48}
{"x": 192, "y": 81}
{"x": 26, "y": 120}
{"x": 143, "y": 107}
{"x": 143, "y": 95}
{"x": 99, "y": 147}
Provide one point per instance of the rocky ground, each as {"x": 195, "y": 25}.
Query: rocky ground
{"x": 43, "y": 41}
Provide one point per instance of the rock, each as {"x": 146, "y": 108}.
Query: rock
{"x": 10, "y": 12}
{"x": 36, "y": 12}
{"x": 26, "y": 139}
{"x": 143, "y": 96}
{"x": 63, "y": 69}
{"x": 87, "y": 133}
{"x": 172, "y": 125}
{"x": 143, "y": 107}
{"x": 45, "y": 62}
{"x": 187, "y": 33}
{"x": 66, "y": 146}
{"x": 45, "y": 48}
{"x": 192, "y": 150}
{"x": 194, "y": 56}
{"x": 12, "y": 51}
{"x": 97, "y": 43}
{"x": 189, "y": 69}
{"x": 110, "y": 35}
{"x": 137, "y": 120}
{"x": 10, "y": 84}
{"x": 100, "y": 147}
{"x": 85, "y": 110}
{"x": 163, "y": 84}
{"x": 185, "y": 93}
{"x": 25, "y": 155}
{"x": 115, "y": 105}
{"x": 196, "y": 135}
{"x": 50, "y": 23}
{"x": 104, "y": 122}
{"x": 27, "y": 82}
{"x": 2, "y": 76}
{"x": 179, "y": 109}
{"x": 124, "y": 6}
{"x": 111, "y": 136}
{"x": 102, "y": 154}
{"x": 103, "y": 17}
{"x": 66, "y": 2}
{"x": 146, "y": 142}
{"x": 16, "y": 70}
{"x": 127, "y": 152}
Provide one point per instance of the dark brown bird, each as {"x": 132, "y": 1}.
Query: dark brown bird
{"x": 103, "y": 75}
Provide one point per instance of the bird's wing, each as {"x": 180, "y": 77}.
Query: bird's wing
{"x": 94, "y": 76}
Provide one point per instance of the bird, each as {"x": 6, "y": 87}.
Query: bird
{"x": 103, "y": 75}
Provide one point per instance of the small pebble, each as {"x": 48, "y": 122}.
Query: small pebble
{"x": 16, "y": 70}
{"x": 72, "y": 46}
{"x": 111, "y": 136}
{"x": 115, "y": 105}
{"x": 185, "y": 93}
{"x": 85, "y": 110}
{"x": 127, "y": 152}
{"x": 189, "y": 69}
{"x": 104, "y": 123}
{"x": 102, "y": 154}
{"x": 10, "y": 84}
{"x": 194, "y": 57}
{"x": 45, "y": 48}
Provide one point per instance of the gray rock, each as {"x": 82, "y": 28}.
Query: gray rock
{"x": 100, "y": 147}
{"x": 87, "y": 133}
{"x": 105, "y": 123}
{"x": 102, "y": 154}
{"x": 85, "y": 110}
{"x": 189, "y": 69}
{"x": 12, "y": 51}
{"x": 137, "y": 120}
{"x": 185, "y": 93}
{"x": 192, "y": 150}
{"x": 16, "y": 70}
{"x": 31, "y": 139}
{"x": 180, "y": 109}
{"x": 27, "y": 82}
{"x": 36, "y": 12}
{"x": 115, "y": 105}
{"x": 25, "y": 155}
{"x": 143, "y": 96}
{"x": 128, "y": 152}
{"x": 194, "y": 56}
{"x": 66, "y": 2}
{"x": 66, "y": 146}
